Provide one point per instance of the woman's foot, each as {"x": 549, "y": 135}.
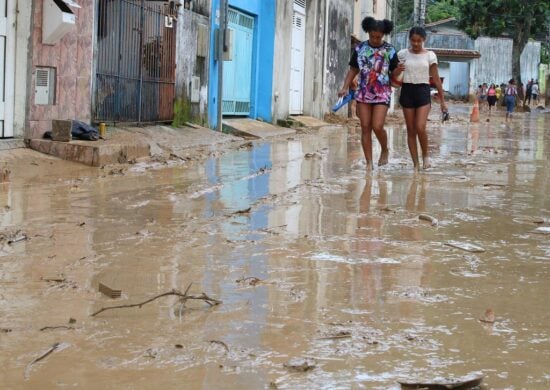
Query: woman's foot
{"x": 369, "y": 167}
{"x": 383, "y": 157}
{"x": 426, "y": 163}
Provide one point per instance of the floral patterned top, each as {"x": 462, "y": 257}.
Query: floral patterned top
{"x": 375, "y": 65}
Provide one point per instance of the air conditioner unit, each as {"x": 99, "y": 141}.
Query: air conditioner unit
{"x": 57, "y": 20}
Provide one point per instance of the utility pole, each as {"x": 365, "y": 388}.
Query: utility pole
{"x": 419, "y": 12}
{"x": 222, "y": 26}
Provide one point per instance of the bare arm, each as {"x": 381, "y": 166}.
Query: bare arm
{"x": 434, "y": 73}
{"x": 352, "y": 72}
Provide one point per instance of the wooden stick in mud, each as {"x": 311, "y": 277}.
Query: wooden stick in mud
{"x": 56, "y": 327}
{"x": 43, "y": 356}
{"x": 183, "y": 298}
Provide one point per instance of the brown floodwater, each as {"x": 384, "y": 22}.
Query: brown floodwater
{"x": 351, "y": 280}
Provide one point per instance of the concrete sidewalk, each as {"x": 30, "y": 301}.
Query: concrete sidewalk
{"x": 124, "y": 144}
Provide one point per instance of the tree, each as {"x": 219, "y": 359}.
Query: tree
{"x": 441, "y": 9}
{"x": 404, "y": 15}
{"x": 518, "y": 19}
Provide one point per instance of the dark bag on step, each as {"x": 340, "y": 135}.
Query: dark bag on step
{"x": 81, "y": 130}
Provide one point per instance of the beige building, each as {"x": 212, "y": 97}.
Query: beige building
{"x": 378, "y": 9}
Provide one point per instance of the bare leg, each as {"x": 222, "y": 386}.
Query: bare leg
{"x": 420, "y": 124}
{"x": 410, "y": 115}
{"x": 364, "y": 112}
{"x": 379, "y": 112}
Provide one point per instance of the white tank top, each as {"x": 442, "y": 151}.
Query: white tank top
{"x": 417, "y": 66}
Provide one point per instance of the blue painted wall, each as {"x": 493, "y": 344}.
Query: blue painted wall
{"x": 263, "y": 12}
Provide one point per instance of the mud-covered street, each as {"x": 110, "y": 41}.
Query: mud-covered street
{"x": 328, "y": 277}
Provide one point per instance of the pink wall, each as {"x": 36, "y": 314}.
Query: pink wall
{"x": 72, "y": 57}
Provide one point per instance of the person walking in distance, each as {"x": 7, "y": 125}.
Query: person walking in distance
{"x": 535, "y": 91}
{"x": 491, "y": 97}
{"x": 510, "y": 94}
{"x": 528, "y": 93}
{"x": 374, "y": 60}
{"x": 418, "y": 65}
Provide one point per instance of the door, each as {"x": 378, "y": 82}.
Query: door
{"x": 136, "y": 62}
{"x": 7, "y": 67}
{"x": 297, "y": 58}
{"x": 237, "y": 73}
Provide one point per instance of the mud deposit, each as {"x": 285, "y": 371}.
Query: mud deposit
{"x": 328, "y": 277}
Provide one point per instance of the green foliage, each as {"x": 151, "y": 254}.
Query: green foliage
{"x": 404, "y": 14}
{"x": 441, "y": 9}
{"x": 545, "y": 53}
{"x": 498, "y": 17}
{"x": 182, "y": 113}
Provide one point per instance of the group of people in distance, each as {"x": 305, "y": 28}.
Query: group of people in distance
{"x": 375, "y": 60}
{"x": 508, "y": 94}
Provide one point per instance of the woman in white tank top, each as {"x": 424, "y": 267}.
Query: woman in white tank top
{"x": 418, "y": 65}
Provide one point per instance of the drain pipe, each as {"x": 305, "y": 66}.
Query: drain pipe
{"x": 220, "y": 50}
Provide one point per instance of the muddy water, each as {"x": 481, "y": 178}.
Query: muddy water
{"x": 351, "y": 278}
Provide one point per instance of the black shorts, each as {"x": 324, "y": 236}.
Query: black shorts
{"x": 491, "y": 100}
{"x": 414, "y": 95}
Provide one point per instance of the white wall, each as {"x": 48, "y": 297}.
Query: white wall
{"x": 530, "y": 61}
{"x": 22, "y": 68}
{"x": 327, "y": 53}
{"x": 495, "y": 64}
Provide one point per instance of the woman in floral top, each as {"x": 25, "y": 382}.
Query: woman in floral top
{"x": 373, "y": 60}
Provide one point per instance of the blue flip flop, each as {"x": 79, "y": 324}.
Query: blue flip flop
{"x": 343, "y": 100}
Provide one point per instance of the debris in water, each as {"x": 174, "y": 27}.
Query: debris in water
{"x": 308, "y": 156}
{"x": 57, "y": 327}
{"x": 248, "y": 145}
{"x": 117, "y": 171}
{"x": 535, "y": 220}
{"x": 493, "y": 185}
{"x": 488, "y": 317}
{"x": 429, "y": 218}
{"x": 4, "y": 174}
{"x": 244, "y": 211}
{"x": 184, "y": 297}
{"x": 250, "y": 280}
{"x": 111, "y": 293}
{"x": 542, "y": 230}
{"x": 468, "y": 382}
{"x": 344, "y": 334}
{"x": 53, "y": 348}
{"x": 18, "y": 237}
{"x": 300, "y": 364}
{"x": 465, "y": 246}
{"x": 56, "y": 279}
{"x": 179, "y": 346}
{"x": 219, "y": 342}
{"x": 5, "y": 330}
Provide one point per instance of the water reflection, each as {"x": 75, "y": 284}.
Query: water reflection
{"x": 337, "y": 250}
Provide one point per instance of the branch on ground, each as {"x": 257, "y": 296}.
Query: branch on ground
{"x": 183, "y": 298}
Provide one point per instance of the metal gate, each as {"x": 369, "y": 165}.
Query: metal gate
{"x": 237, "y": 74}
{"x": 136, "y": 61}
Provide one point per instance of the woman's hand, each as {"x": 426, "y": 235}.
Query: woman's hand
{"x": 343, "y": 92}
{"x": 443, "y": 106}
{"x": 399, "y": 69}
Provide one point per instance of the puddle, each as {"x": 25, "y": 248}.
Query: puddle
{"x": 332, "y": 251}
